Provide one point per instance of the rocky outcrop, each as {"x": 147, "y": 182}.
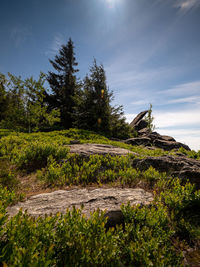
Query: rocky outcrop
{"x": 109, "y": 199}
{"x": 178, "y": 166}
{"x": 148, "y": 138}
{"x": 100, "y": 149}
{"x": 138, "y": 123}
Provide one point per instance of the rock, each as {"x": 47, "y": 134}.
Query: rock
{"x": 140, "y": 125}
{"x": 148, "y": 138}
{"x": 145, "y": 141}
{"x": 100, "y": 149}
{"x": 74, "y": 142}
{"x": 179, "y": 166}
{"x": 167, "y": 138}
{"x": 139, "y": 117}
{"x": 144, "y": 131}
{"x": 114, "y": 217}
{"x": 154, "y": 139}
{"x": 109, "y": 199}
{"x": 169, "y": 145}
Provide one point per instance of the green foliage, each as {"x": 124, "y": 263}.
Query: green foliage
{"x": 73, "y": 240}
{"x": 25, "y": 109}
{"x": 95, "y": 111}
{"x": 37, "y": 114}
{"x": 76, "y": 170}
{"x": 36, "y": 154}
{"x": 191, "y": 154}
{"x": 149, "y": 119}
{"x": 153, "y": 235}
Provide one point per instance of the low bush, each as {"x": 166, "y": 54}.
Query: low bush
{"x": 73, "y": 240}
{"x": 76, "y": 170}
{"x": 36, "y": 154}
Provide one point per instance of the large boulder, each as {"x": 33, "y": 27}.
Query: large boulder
{"x": 105, "y": 199}
{"x": 178, "y": 166}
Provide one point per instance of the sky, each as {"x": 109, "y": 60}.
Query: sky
{"x": 150, "y": 50}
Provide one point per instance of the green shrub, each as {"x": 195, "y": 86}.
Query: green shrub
{"x": 36, "y": 154}
{"x": 76, "y": 170}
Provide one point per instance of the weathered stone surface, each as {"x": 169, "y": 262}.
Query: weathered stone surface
{"x": 138, "y": 118}
{"x": 144, "y": 131}
{"x": 100, "y": 149}
{"x": 109, "y": 199}
{"x": 140, "y": 125}
{"x": 169, "y": 145}
{"x": 177, "y": 166}
{"x": 156, "y": 140}
{"x": 145, "y": 141}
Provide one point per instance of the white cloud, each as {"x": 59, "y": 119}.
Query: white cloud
{"x": 190, "y": 88}
{"x": 177, "y": 119}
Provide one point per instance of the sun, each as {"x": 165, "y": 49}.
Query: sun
{"x": 111, "y": 3}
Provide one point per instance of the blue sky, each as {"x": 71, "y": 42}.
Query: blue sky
{"x": 150, "y": 50}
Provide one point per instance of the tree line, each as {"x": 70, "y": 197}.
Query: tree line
{"x": 26, "y": 105}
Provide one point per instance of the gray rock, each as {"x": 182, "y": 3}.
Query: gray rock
{"x": 100, "y": 149}
{"x": 169, "y": 145}
{"x": 109, "y": 199}
{"x": 140, "y": 125}
{"x": 145, "y": 141}
{"x": 179, "y": 166}
{"x": 144, "y": 131}
{"x": 138, "y": 118}
{"x": 156, "y": 140}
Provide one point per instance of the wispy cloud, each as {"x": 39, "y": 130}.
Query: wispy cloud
{"x": 56, "y": 44}
{"x": 190, "y": 89}
{"x": 185, "y": 5}
{"x": 19, "y": 35}
{"x": 140, "y": 102}
{"x": 191, "y": 99}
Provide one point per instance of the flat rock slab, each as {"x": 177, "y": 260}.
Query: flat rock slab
{"x": 100, "y": 149}
{"x": 105, "y": 199}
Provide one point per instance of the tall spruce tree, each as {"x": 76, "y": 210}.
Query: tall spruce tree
{"x": 95, "y": 111}
{"x": 64, "y": 84}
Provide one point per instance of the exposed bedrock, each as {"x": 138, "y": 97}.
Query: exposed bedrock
{"x": 105, "y": 199}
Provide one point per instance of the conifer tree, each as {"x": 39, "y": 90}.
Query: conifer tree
{"x": 95, "y": 111}
{"x": 64, "y": 84}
